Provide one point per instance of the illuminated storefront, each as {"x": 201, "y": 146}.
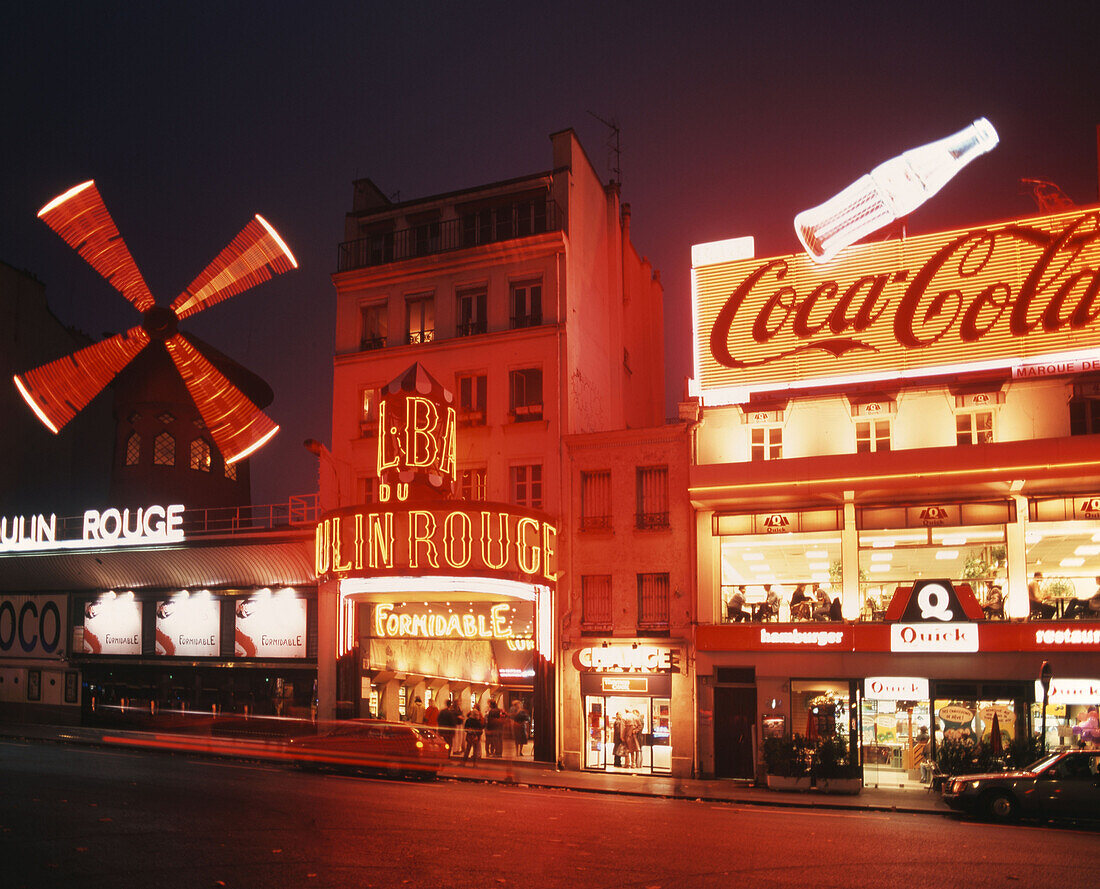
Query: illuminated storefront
{"x": 164, "y": 609}
{"x": 436, "y": 598}
{"x": 906, "y": 437}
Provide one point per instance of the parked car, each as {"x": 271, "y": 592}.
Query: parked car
{"x": 395, "y": 748}
{"x": 1060, "y": 785}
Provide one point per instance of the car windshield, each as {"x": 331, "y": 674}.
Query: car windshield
{"x": 1041, "y": 764}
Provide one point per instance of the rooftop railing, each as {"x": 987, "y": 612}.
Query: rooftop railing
{"x": 492, "y": 225}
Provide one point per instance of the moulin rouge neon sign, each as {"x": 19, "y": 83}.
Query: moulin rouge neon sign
{"x": 450, "y": 538}
{"x": 1002, "y": 294}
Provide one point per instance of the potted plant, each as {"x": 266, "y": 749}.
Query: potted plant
{"x": 834, "y": 771}
{"x": 787, "y": 761}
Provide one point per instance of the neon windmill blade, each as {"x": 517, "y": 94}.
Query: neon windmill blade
{"x": 59, "y": 390}
{"x": 250, "y": 259}
{"x": 237, "y": 425}
{"x": 81, "y": 218}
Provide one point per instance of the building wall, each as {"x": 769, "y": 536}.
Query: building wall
{"x": 625, "y": 551}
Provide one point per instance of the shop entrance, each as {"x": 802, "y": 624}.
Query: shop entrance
{"x": 628, "y": 734}
{"x": 628, "y": 723}
{"x": 896, "y": 741}
{"x": 734, "y": 718}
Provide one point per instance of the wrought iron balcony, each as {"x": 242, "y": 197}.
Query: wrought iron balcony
{"x": 502, "y": 223}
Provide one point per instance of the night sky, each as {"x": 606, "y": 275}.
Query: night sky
{"x": 191, "y": 117}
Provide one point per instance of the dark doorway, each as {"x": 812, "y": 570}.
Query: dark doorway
{"x": 734, "y": 718}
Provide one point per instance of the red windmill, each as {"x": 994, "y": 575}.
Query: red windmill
{"x": 58, "y": 391}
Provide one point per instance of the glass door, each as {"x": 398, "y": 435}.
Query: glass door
{"x": 628, "y": 734}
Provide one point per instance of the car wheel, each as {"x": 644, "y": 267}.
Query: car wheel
{"x": 1000, "y": 807}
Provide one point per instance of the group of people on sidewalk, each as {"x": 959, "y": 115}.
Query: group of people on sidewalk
{"x": 494, "y": 725}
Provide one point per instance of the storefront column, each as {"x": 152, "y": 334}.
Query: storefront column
{"x": 327, "y": 594}
{"x": 1016, "y": 532}
{"x": 388, "y": 700}
{"x": 852, "y": 603}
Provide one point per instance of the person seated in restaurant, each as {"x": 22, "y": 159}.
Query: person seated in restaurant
{"x": 800, "y": 603}
{"x": 836, "y": 611}
{"x": 1039, "y": 609}
{"x": 994, "y": 606}
{"x": 769, "y": 608}
{"x": 824, "y": 604}
{"x": 735, "y": 607}
{"x": 1085, "y": 609}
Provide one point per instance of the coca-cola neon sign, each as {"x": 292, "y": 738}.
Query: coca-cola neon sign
{"x": 996, "y": 296}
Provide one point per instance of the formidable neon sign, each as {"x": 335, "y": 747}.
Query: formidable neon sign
{"x": 496, "y": 623}
{"x": 480, "y": 539}
{"x": 1004, "y": 294}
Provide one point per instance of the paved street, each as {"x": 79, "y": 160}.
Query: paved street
{"x": 119, "y": 818}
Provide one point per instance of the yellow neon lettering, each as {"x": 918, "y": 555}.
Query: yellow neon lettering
{"x": 454, "y": 625}
{"x": 421, "y": 532}
{"x": 381, "y": 539}
{"x": 528, "y": 556}
{"x": 453, "y": 538}
{"x": 387, "y": 450}
{"x": 469, "y": 626}
{"x": 421, "y": 420}
{"x": 358, "y": 541}
{"x": 500, "y": 628}
{"x": 321, "y": 548}
{"x": 495, "y": 544}
{"x": 448, "y": 450}
{"x": 381, "y": 612}
{"x": 404, "y": 624}
{"x": 337, "y": 565}
{"x": 549, "y": 538}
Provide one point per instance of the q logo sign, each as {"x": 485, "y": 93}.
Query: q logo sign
{"x": 933, "y": 600}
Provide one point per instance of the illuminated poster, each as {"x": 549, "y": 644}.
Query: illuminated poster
{"x": 32, "y": 626}
{"x": 271, "y": 625}
{"x": 1021, "y": 294}
{"x": 187, "y": 626}
{"x": 112, "y": 625}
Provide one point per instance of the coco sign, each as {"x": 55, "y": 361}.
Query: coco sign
{"x": 1008, "y": 293}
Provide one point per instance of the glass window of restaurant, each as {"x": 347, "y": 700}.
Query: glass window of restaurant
{"x": 895, "y": 732}
{"x": 764, "y": 569}
{"x": 822, "y": 708}
{"x": 900, "y": 545}
{"x": 1063, "y": 546}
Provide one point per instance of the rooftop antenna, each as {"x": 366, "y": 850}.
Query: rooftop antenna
{"x": 614, "y": 148}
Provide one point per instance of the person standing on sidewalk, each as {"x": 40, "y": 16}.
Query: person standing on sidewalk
{"x": 447, "y": 722}
{"x": 416, "y": 710}
{"x": 473, "y": 727}
{"x": 520, "y": 718}
{"x": 494, "y": 730}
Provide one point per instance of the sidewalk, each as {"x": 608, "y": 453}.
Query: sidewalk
{"x": 531, "y": 774}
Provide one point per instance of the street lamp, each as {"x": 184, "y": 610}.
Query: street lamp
{"x": 1044, "y": 679}
{"x": 326, "y": 456}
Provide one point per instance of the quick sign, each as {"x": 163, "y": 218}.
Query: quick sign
{"x": 895, "y": 688}
{"x": 614, "y": 684}
{"x": 939, "y": 638}
{"x": 32, "y": 626}
{"x": 1070, "y": 691}
{"x": 933, "y": 600}
{"x": 1002, "y": 295}
{"x": 106, "y": 528}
